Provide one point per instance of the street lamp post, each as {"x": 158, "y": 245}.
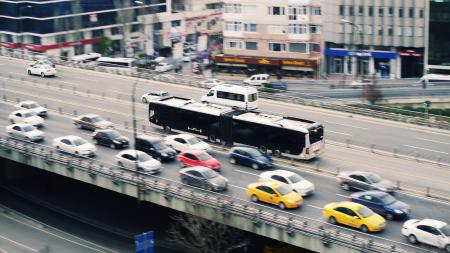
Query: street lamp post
{"x": 359, "y": 70}
{"x": 21, "y": 25}
{"x": 133, "y": 113}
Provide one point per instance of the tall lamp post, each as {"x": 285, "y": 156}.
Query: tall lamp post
{"x": 21, "y": 25}
{"x": 133, "y": 113}
{"x": 361, "y": 46}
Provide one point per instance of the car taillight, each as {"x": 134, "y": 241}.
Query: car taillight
{"x": 350, "y": 198}
{"x": 307, "y": 151}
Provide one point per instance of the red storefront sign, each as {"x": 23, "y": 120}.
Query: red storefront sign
{"x": 48, "y": 47}
{"x": 412, "y": 53}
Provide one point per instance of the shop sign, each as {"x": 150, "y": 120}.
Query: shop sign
{"x": 48, "y": 47}
{"x": 300, "y": 63}
{"x": 233, "y": 59}
{"x": 412, "y": 53}
{"x": 358, "y": 53}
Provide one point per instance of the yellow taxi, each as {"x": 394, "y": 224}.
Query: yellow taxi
{"x": 275, "y": 193}
{"x": 354, "y": 215}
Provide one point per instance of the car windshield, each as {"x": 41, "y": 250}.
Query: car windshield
{"x": 27, "y": 114}
{"x": 204, "y": 157}
{"x": 79, "y": 142}
{"x": 164, "y": 94}
{"x": 46, "y": 67}
{"x": 28, "y": 128}
{"x": 365, "y": 212}
{"x": 284, "y": 189}
{"x": 96, "y": 119}
{"x": 210, "y": 174}
{"x": 143, "y": 157}
{"x": 446, "y": 230}
{"x": 254, "y": 152}
{"x": 295, "y": 178}
{"x": 114, "y": 134}
{"x": 193, "y": 140}
{"x": 32, "y": 106}
{"x": 159, "y": 145}
{"x": 374, "y": 178}
{"x": 387, "y": 199}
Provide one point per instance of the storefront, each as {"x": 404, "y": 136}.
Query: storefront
{"x": 357, "y": 62}
{"x": 272, "y": 66}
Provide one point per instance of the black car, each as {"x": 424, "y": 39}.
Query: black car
{"x": 110, "y": 138}
{"x": 155, "y": 147}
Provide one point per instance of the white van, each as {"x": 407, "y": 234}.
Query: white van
{"x": 85, "y": 58}
{"x": 233, "y": 95}
{"x": 257, "y": 80}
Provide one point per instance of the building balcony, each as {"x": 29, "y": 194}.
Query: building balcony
{"x": 233, "y": 34}
{"x": 231, "y": 16}
{"x": 301, "y": 37}
{"x": 300, "y": 2}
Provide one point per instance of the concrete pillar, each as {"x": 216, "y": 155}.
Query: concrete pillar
{"x": 399, "y": 67}
{"x": 346, "y": 65}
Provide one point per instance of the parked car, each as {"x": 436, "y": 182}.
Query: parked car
{"x": 155, "y": 147}
{"x": 428, "y": 231}
{"x": 211, "y": 83}
{"x": 27, "y": 117}
{"x": 382, "y": 203}
{"x": 182, "y": 142}
{"x": 198, "y": 158}
{"x": 33, "y": 106}
{"x": 364, "y": 181}
{"x": 25, "y": 131}
{"x": 145, "y": 163}
{"x": 274, "y": 193}
{"x": 91, "y": 122}
{"x": 353, "y": 215}
{"x": 257, "y": 80}
{"x": 204, "y": 178}
{"x": 154, "y": 95}
{"x": 360, "y": 83}
{"x": 163, "y": 67}
{"x": 41, "y": 70}
{"x": 74, "y": 145}
{"x": 298, "y": 183}
{"x": 251, "y": 157}
{"x": 110, "y": 138}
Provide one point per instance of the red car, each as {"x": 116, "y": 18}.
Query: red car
{"x": 198, "y": 158}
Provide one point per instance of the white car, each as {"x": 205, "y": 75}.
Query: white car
{"x": 298, "y": 183}
{"x": 42, "y": 70}
{"x": 163, "y": 67}
{"x": 182, "y": 142}
{"x": 33, "y": 106}
{"x": 145, "y": 163}
{"x": 154, "y": 95}
{"x": 211, "y": 82}
{"x": 257, "y": 80}
{"x": 74, "y": 145}
{"x": 26, "y": 116}
{"x": 360, "y": 83}
{"x": 428, "y": 231}
{"x": 25, "y": 131}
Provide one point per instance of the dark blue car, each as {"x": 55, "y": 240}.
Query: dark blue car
{"x": 382, "y": 203}
{"x": 250, "y": 157}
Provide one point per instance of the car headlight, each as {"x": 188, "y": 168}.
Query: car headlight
{"x": 215, "y": 184}
{"x": 382, "y": 189}
{"x": 164, "y": 154}
{"x": 398, "y": 211}
{"x": 116, "y": 142}
{"x": 290, "y": 201}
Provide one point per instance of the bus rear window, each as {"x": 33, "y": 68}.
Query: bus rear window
{"x": 315, "y": 134}
{"x": 252, "y": 97}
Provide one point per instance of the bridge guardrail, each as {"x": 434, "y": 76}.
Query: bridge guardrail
{"x": 226, "y": 204}
{"x": 195, "y": 81}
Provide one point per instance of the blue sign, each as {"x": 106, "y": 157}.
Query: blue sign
{"x": 144, "y": 242}
{"x": 373, "y": 54}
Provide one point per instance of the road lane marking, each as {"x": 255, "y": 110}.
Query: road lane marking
{"x": 340, "y": 195}
{"x": 346, "y": 125}
{"x": 441, "y": 142}
{"x": 2, "y": 250}
{"x": 245, "y": 172}
{"x": 19, "y": 244}
{"x": 242, "y": 188}
{"x": 315, "y": 207}
{"x": 432, "y": 150}
{"x": 339, "y": 133}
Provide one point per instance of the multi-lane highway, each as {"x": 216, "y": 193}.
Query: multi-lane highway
{"x": 104, "y": 91}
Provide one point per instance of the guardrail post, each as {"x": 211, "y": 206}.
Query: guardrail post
{"x": 5, "y": 98}
{"x": 372, "y": 147}
{"x": 290, "y": 228}
{"x": 125, "y": 124}
{"x": 103, "y": 95}
{"x": 347, "y": 143}
{"x": 316, "y": 166}
{"x": 75, "y": 113}
{"x": 17, "y": 100}
{"x": 398, "y": 184}
{"x": 118, "y": 97}
{"x": 60, "y": 110}
{"x": 74, "y": 89}
{"x": 88, "y": 92}
{"x": 394, "y": 152}
{"x": 144, "y": 130}
{"x": 428, "y": 192}
{"x": 166, "y": 192}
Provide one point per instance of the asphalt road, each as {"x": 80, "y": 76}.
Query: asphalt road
{"x": 327, "y": 189}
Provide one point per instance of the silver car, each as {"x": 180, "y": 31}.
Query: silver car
{"x": 364, "y": 181}
{"x": 130, "y": 159}
{"x": 25, "y": 132}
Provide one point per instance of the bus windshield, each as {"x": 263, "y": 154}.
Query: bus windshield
{"x": 315, "y": 134}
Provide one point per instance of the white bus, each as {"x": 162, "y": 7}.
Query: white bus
{"x": 119, "y": 63}
{"x": 245, "y": 97}
{"x": 85, "y": 58}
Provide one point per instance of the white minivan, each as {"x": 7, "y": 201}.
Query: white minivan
{"x": 257, "y": 80}
{"x": 244, "y": 97}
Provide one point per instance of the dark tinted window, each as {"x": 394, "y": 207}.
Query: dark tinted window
{"x": 279, "y": 178}
{"x": 358, "y": 177}
{"x": 190, "y": 156}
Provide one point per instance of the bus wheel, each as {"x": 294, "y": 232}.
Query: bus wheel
{"x": 263, "y": 149}
{"x": 212, "y": 138}
{"x": 167, "y": 129}
{"x": 276, "y": 153}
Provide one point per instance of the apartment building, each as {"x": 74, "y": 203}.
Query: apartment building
{"x": 275, "y": 37}
{"x": 438, "y": 31}
{"x": 374, "y": 37}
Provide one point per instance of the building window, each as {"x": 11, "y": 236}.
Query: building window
{"x": 297, "y": 47}
{"x": 36, "y": 40}
{"x": 411, "y": 12}
{"x": 158, "y": 26}
{"x": 295, "y": 11}
{"x": 277, "y": 47}
{"x": 316, "y": 11}
{"x": 251, "y": 45}
{"x": 233, "y": 44}
{"x": 135, "y": 28}
{"x": 314, "y": 29}
{"x": 400, "y": 12}
{"x": 298, "y": 28}
{"x": 341, "y": 10}
{"x": 369, "y": 29}
{"x": 115, "y": 31}
{"x": 232, "y": 8}
{"x": 249, "y": 9}
{"x": 380, "y": 30}
{"x": 341, "y": 28}
{"x": 176, "y": 23}
{"x": 60, "y": 38}
{"x": 233, "y": 26}
{"x": 250, "y": 28}
{"x": 361, "y": 10}
{"x": 370, "y": 11}
{"x": 391, "y": 11}
{"x": 98, "y": 33}
{"x": 381, "y": 11}
{"x": 314, "y": 47}
{"x": 351, "y": 11}
{"x": 421, "y": 13}
{"x": 276, "y": 10}
{"x": 399, "y": 31}
{"x": 407, "y": 31}
{"x": 276, "y": 29}
{"x": 419, "y": 31}
{"x": 390, "y": 31}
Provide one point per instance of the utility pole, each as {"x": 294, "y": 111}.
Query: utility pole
{"x": 359, "y": 53}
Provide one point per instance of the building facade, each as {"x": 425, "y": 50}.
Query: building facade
{"x": 66, "y": 28}
{"x": 275, "y": 37}
{"x": 374, "y": 37}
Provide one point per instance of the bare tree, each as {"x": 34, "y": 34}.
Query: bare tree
{"x": 197, "y": 235}
{"x": 371, "y": 92}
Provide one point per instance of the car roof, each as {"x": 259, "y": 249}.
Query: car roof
{"x": 433, "y": 223}
{"x": 184, "y": 136}
{"x": 89, "y": 115}
{"x": 148, "y": 138}
{"x": 196, "y": 168}
{"x": 244, "y": 148}
{"x": 371, "y": 193}
{"x": 23, "y": 111}
{"x": 284, "y": 173}
{"x": 130, "y": 152}
{"x": 28, "y": 102}
{"x": 70, "y": 137}
{"x": 350, "y": 205}
{"x": 21, "y": 125}
{"x": 194, "y": 151}
{"x": 272, "y": 184}
{"x": 106, "y": 130}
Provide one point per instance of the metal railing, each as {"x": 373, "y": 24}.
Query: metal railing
{"x": 225, "y": 204}
{"x": 434, "y": 121}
